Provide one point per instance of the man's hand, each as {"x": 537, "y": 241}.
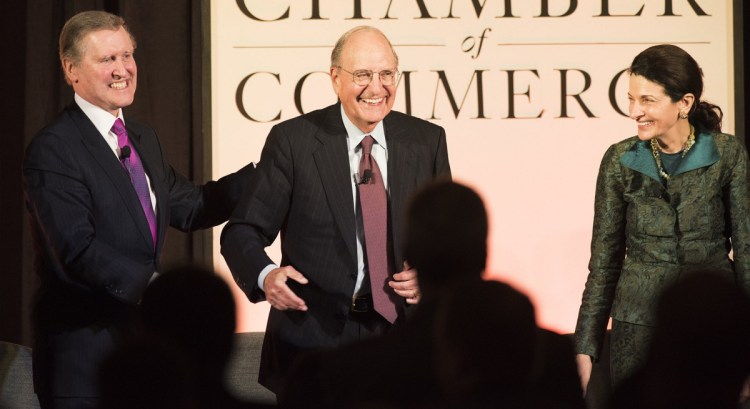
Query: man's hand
{"x": 585, "y": 365}
{"x": 406, "y": 285}
{"x": 278, "y": 294}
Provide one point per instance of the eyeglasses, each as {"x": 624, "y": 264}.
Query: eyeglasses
{"x": 364, "y": 77}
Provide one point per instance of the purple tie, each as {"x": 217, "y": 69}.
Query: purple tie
{"x": 137, "y": 176}
{"x": 374, "y": 202}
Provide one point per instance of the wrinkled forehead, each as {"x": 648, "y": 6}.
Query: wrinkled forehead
{"x": 368, "y": 50}
{"x": 106, "y": 41}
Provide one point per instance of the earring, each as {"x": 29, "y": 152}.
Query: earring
{"x": 683, "y": 115}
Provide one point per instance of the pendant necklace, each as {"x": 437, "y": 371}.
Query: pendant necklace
{"x": 655, "y": 149}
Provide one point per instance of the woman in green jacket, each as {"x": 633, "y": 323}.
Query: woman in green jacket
{"x": 672, "y": 200}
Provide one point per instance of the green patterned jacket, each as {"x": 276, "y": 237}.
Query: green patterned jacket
{"x": 647, "y": 232}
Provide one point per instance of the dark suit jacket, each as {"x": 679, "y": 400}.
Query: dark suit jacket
{"x": 95, "y": 254}
{"x": 303, "y": 189}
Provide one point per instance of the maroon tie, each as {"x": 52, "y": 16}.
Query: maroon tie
{"x": 132, "y": 163}
{"x": 374, "y": 202}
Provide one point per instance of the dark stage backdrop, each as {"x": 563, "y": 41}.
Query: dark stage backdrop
{"x": 172, "y": 96}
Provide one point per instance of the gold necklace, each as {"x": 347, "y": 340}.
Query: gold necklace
{"x": 655, "y": 149}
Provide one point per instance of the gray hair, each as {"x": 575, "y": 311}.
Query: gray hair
{"x": 80, "y": 25}
{"x": 339, "y": 47}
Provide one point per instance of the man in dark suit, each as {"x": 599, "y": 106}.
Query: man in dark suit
{"x": 309, "y": 187}
{"x": 101, "y": 196}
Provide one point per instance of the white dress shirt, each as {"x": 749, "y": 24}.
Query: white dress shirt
{"x": 380, "y": 154}
{"x": 103, "y": 122}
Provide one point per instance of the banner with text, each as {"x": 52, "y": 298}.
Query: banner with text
{"x": 531, "y": 94}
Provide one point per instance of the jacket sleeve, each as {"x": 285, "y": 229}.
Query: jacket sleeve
{"x": 192, "y": 206}
{"x": 607, "y": 254}
{"x": 737, "y": 203}
{"x": 259, "y": 216}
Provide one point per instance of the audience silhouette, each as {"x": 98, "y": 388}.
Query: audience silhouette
{"x": 466, "y": 335}
{"x": 445, "y": 241}
{"x": 491, "y": 354}
{"x": 190, "y": 313}
{"x": 484, "y": 335}
{"x": 700, "y": 352}
{"x": 469, "y": 343}
{"x": 147, "y": 374}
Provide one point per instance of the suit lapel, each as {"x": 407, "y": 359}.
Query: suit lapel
{"x": 401, "y": 176}
{"x": 102, "y": 155}
{"x": 332, "y": 161}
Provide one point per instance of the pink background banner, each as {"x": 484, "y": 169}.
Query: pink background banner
{"x": 531, "y": 94}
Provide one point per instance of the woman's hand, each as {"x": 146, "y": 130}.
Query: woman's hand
{"x": 585, "y": 365}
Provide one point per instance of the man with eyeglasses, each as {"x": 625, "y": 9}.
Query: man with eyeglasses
{"x": 339, "y": 211}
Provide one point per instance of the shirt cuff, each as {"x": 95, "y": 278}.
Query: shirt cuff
{"x": 153, "y": 277}
{"x": 263, "y": 274}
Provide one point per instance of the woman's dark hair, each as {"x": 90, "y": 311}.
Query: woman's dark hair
{"x": 675, "y": 70}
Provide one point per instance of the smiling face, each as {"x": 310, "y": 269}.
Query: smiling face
{"x": 106, "y": 73}
{"x": 365, "y": 105}
{"x": 657, "y": 115}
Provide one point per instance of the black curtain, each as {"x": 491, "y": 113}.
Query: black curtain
{"x": 171, "y": 97}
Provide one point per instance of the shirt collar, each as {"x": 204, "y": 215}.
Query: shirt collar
{"x": 101, "y": 119}
{"x": 356, "y": 135}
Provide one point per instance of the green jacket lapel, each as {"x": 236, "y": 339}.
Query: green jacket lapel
{"x": 704, "y": 153}
{"x": 641, "y": 159}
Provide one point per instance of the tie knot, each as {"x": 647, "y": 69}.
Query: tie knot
{"x": 118, "y": 128}
{"x": 367, "y": 144}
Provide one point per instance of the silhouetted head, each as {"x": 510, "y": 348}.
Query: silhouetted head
{"x": 193, "y": 308}
{"x": 485, "y": 336}
{"x": 700, "y": 350}
{"x": 446, "y": 235}
{"x": 146, "y": 374}
{"x": 704, "y": 325}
